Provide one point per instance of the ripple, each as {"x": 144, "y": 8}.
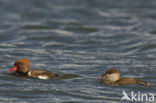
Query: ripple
{"x": 149, "y": 46}
{"x": 83, "y": 29}
{"x": 7, "y": 45}
{"x": 35, "y": 27}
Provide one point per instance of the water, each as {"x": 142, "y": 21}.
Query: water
{"x": 83, "y": 37}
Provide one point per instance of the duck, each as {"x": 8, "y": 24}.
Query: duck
{"x": 112, "y": 77}
{"x": 21, "y": 66}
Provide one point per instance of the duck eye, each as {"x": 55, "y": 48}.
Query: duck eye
{"x": 19, "y": 64}
{"x": 110, "y": 72}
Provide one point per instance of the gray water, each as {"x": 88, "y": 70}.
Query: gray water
{"x": 83, "y": 37}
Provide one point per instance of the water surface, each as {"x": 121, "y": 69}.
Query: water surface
{"x": 83, "y": 37}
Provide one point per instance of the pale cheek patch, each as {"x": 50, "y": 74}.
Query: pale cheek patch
{"x": 113, "y": 77}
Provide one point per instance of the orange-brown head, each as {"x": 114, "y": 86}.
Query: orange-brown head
{"x": 20, "y": 65}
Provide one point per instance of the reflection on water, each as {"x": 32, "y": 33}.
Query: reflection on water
{"x": 82, "y": 37}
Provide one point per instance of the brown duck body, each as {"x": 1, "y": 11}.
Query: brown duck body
{"x": 21, "y": 66}
{"x": 112, "y": 77}
{"x": 125, "y": 81}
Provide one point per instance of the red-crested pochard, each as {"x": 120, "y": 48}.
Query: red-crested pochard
{"x": 112, "y": 77}
{"x": 21, "y": 66}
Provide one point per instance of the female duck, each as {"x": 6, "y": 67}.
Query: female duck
{"x": 112, "y": 77}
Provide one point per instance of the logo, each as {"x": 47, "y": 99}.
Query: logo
{"x": 138, "y": 96}
{"x": 125, "y": 97}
